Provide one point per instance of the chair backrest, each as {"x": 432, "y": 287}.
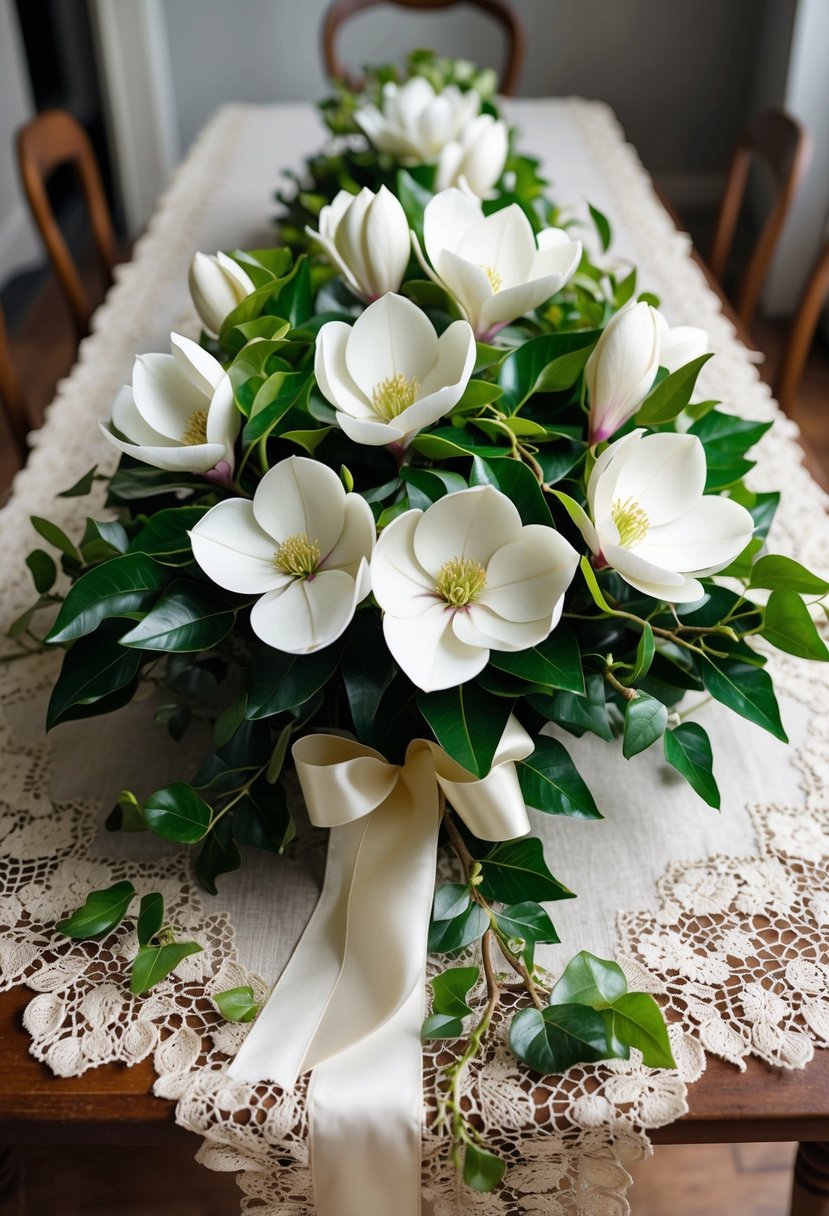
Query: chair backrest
{"x": 801, "y": 334}
{"x": 11, "y": 394}
{"x": 338, "y": 13}
{"x": 50, "y": 139}
{"x": 780, "y": 141}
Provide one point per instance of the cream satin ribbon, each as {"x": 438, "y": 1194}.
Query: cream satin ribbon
{"x": 350, "y": 1002}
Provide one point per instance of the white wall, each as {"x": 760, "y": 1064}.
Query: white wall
{"x": 677, "y": 72}
{"x": 19, "y": 245}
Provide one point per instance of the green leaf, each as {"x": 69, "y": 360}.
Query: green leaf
{"x": 119, "y": 587}
{"x": 450, "y": 442}
{"x": 281, "y": 681}
{"x": 645, "y": 722}
{"x": 468, "y": 723}
{"x": 688, "y": 750}
{"x": 515, "y": 871}
{"x": 788, "y": 626}
{"x": 448, "y": 935}
{"x": 671, "y": 395}
{"x": 476, "y": 395}
{"x": 450, "y": 900}
{"x": 593, "y": 587}
{"x": 43, "y": 570}
{"x": 441, "y": 1026}
{"x": 280, "y": 393}
{"x": 602, "y": 225}
{"x": 219, "y": 855}
{"x": 637, "y": 1021}
{"x": 425, "y": 486}
{"x": 550, "y": 782}
{"x": 56, "y": 537}
{"x": 229, "y": 721}
{"x": 154, "y": 963}
{"x": 176, "y": 812}
{"x": 589, "y": 980}
{"x": 784, "y": 574}
{"x": 93, "y": 669}
{"x": 126, "y": 815}
{"x": 450, "y": 990}
{"x": 237, "y": 1004}
{"x": 550, "y": 363}
{"x": 482, "y": 1170}
{"x": 746, "y": 689}
{"x": 368, "y": 669}
{"x": 579, "y": 714}
{"x": 726, "y": 436}
{"x": 559, "y": 1037}
{"x": 262, "y": 819}
{"x": 131, "y": 482}
{"x": 555, "y": 662}
{"x": 514, "y": 479}
{"x": 165, "y": 534}
{"x": 526, "y": 923}
{"x": 190, "y": 616}
{"x": 150, "y": 917}
{"x": 645, "y": 651}
{"x": 100, "y": 913}
{"x": 82, "y": 486}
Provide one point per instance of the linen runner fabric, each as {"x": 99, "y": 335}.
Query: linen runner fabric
{"x": 725, "y": 915}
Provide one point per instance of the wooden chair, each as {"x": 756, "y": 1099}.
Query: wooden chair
{"x": 338, "y": 13}
{"x": 782, "y": 143}
{"x": 11, "y": 395}
{"x": 50, "y": 139}
{"x": 801, "y": 334}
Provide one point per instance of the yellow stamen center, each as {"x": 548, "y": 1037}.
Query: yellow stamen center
{"x": 297, "y": 556}
{"x": 195, "y": 431}
{"x": 631, "y": 521}
{"x": 495, "y": 280}
{"x": 460, "y": 581}
{"x": 391, "y": 397}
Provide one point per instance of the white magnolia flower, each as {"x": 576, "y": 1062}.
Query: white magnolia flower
{"x": 415, "y": 123}
{"x": 179, "y": 413}
{"x": 650, "y": 520}
{"x": 366, "y": 236}
{"x": 389, "y": 375}
{"x": 477, "y": 157}
{"x": 464, "y": 578}
{"x": 302, "y": 545}
{"x": 622, "y": 368}
{"x": 217, "y": 285}
{"x": 680, "y": 344}
{"x": 492, "y": 266}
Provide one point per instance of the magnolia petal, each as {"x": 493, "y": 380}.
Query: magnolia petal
{"x": 428, "y": 651}
{"x": 386, "y": 237}
{"x": 196, "y": 365}
{"x": 392, "y": 337}
{"x": 705, "y": 538}
{"x": 456, "y": 359}
{"x": 356, "y": 540}
{"x": 400, "y": 584}
{"x": 163, "y": 396}
{"x": 349, "y": 239}
{"x": 175, "y": 458}
{"x": 467, "y": 283}
{"x": 472, "y": 523}
{"x": 631, "y": 567}
{"x": 664, "y": 474}
{"x": 234, "y": 551}
{"x": 525, "y": 579}
{"x": 480, "y": 626}
{"x": 240, "y": 278}
{"x": 601, "y": 486}
{"x": 517, "y": 301}
{"x": 371, "y": 432}
{"x": 127, "y": 420}
{"x": 449, "y": 167}
{"x": 308, "y": 614}
{"x": 223, "y": 419}
{"x": 622, "y": 368}
{"x": 486, "y": 146}
{"x": 557, "y": 254}
{"x": 447, "y": 218}
{"x": 424, "y": 265}
{"x": 504, "y": 241}
{"x": 688, "y": 592}
{"x": 331, "y": 373}
{"x": 301, "y": 496}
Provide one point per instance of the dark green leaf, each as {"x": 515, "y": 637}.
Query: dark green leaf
{"x": 747, "y": 690}
{"x": 688, "y": 750}
{"x": 589, "y": 980}
{"x": 126, "y": 815}
{"x": 262, "y": 819}
{"x": 228, "y": 722}
{"x": 190, "y": 616}
{"x": 555, "y": 662}
{"x": 788, "y": 626}
{"x": 550, "y": 782}
{"x": 117, "y": 588}
{"x": 515, "y": 871}
{"x": 449, "y": 442}
{"x": 280, "y": 393}
{"x": 150, "y": 917}
{"x": 281, "y": 681}
{"x": 154, "y": 963}
{"x": 448, "y": 935}
{"x": 450, "y": 900}
{"x": 57, "y": 537}
{"x": 726, "y": 436}
{"x": 219, "y": 855}
{"x": 368, "y": 669}
{"x": 165, "y": 534}
{"x": 468, "y": 723}
{"x": 526, "y": 923}
{"x": 645, "y": 722}
{"x": 101, "y": 912}
{"x": 93, "y": 669}
{"x": 602, "y": 225}
{"x": 82, "y": 486}
{"x": 671, "y": 395}
{"x": 176, "y": 812}
{"x": 482, "y": 1170}
{"x": 441, "y": 1026}
{"x": 43, "y": 570}
{"x": 637, "y": 1021}
{"x": 579, "y": 714}
{"x": 645, "y": 652}
{"x": 549, "y": 363}
{"x": 784, "y": 574}
{"x": 514, "y": 479}
{"x": 237, "y": 1004}
{"x": 559, "y": 1037}
{"x": 450, "y": 990}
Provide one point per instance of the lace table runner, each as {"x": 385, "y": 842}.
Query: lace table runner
{"x": 724, "y": 916}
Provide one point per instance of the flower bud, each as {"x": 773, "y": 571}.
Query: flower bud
{"x": 217, "y": 285}
{"x": 477, "y": 157}
{"x": 622, "y": 369}
{"x": 366, "y": 236}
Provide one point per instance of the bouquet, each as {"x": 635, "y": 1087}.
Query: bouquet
{"x": 430, "y": 482}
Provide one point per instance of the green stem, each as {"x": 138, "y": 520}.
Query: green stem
{"x": 628, "y": 693}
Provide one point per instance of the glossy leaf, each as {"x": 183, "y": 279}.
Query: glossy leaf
{"x": 441, "y": 1026}
{"x": 747, "y": 690}
{"x": 100, "y": 913}
{"x": 154, "y": 963}
{"x": 368, "y": 669}
{"x": 165, "y": 535}
{"x": 542, "y": 365}
{"x": 550, "y": 782}
{"x": 150, "y": 917}
{"x": 514, "y": 479}
{"x": 448, "y": 935}
{"x": 56, "y": 537}
{"x": 219, "y": 855}
{"x": 645, "y": 651}
{"x": 515, "y": 871}
{"x": 43, "y": 570}
{"x": 645, "y": 722}
{"x": 117, "y": 588}
{"x": 788, "y": 626}
{"x": 262, "y": 819}
{"x": 555, "y": 662}
{"x": 637, "y": 1021}
{"x": 468, "y": 723}
{"x": 784, "y": 574}
{"x": 589, "y": 980}
{"x": 93, "y": 670}
{"x": 280, "y": 681}
{"x": 450, "y": 989}
{"x": 176, "y": 812}
{"x": 559, "y": 1037}
{"x": 671, "y": 395}
{"x": 688, "y": 750}
{"x": 482, "y": 1170}
{"x": 525, "y": 925}
{"x": 189, "y": 617}
{"x": 602, "y": 226}
{"x": 82, "y": 486}
{"x": 237, "y": 1004}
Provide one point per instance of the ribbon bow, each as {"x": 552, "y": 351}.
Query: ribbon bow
{"x": 350, "y": 1002}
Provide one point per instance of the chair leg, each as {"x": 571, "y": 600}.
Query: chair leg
{"x": 11, "y": 1193}
{"x": 810, "y": 1188}
{"x": 801, "y": 334}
